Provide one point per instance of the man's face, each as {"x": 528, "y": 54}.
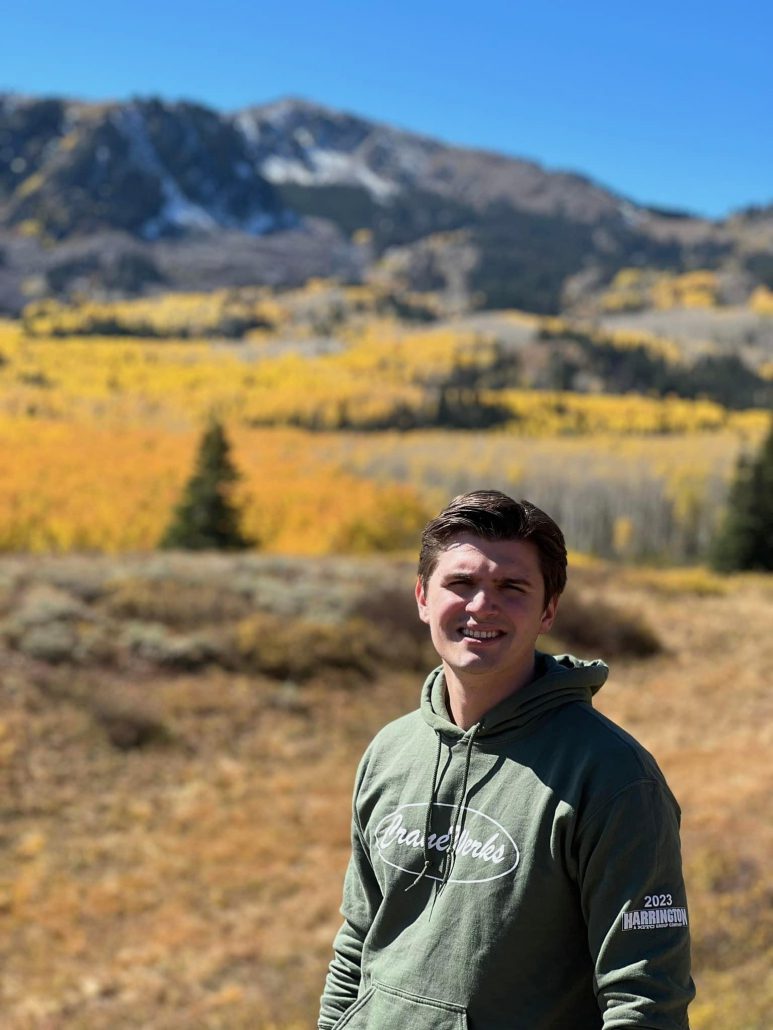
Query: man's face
{"x": 484, "y": 605}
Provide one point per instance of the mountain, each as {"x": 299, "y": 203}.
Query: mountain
{"x": 121, "y": 197}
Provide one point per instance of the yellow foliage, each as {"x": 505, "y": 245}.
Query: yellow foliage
{"x": 69, "y": 141}
{"x": 549, "y": 413}
{"x": 228, "y": 313}
{"x": 85, "y": 486}
{"x": 761, "y": 301}
{"x": 551, "y": 325}
{"x": 696, "y": 580}
{"x": 521, "y": 317}
{"x": 622, "y": 534}
{"x": 135, "y": 379}
{"x": 219, "y": 313}
{"x": 97, "y": 434}
{"x": 628, "y": 290}
{"x": 635, "y": 288}
{"x": 29, "y": 227}
{"x": 628, "y": 277}
{"x": 30, "y": 185}
{"x": 622, "y": 339}
{"x": 630, "y": 339}
{"x": 614, "y": 301}
{"x": 384, "y": 370}
{"x": 698, "y": 289}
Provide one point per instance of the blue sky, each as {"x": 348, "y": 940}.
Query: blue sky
{"x": 668, "y": 103}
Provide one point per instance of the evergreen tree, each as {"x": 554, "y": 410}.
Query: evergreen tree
{"x": 205, "y": 518}
{"x": 745, "y": 540}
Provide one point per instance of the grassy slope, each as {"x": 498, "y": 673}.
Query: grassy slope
{"x": 195, "y": 881}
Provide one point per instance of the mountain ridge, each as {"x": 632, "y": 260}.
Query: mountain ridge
{"x": 174, "y": 179}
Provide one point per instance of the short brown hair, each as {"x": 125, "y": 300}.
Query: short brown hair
{"x": 492, "y": 515}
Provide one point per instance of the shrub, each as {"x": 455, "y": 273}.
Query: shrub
{"x": 299, "y": 649}
{"x": 79, "y": 576}
{"x": 129, "y": 721}
{"x": 44, "y": 604}
{"x": 696, "y": 580}
{"x": 50, "y": 625}
{"x": 154, "y": 643}
{"x": 592, "y": 625}
{"x": 50, "y": 642}
{"x": 175, "y": 603}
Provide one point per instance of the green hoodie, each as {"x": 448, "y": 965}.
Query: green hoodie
{"x": 531, "y": 882}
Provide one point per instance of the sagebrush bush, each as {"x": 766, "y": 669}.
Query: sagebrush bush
{"x": 50, "y": 625}
{"x": 129, "y": 721}
{"x": 79, "y": 576}
{"x": 297, "y": 649}
{"x": 155, "y": 643}
{"x": 278, "y": 617}
{"x": 41, "y": 604}
{"x": 593, "y": 625}
{"x": 7, "y": 595}
{"x": 697, "y": 580}
{"x": 174, "y": 603}
{"x": 393, "y": 609}
{"x": 49, "y": 642}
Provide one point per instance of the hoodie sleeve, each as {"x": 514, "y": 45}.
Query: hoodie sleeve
{"x": 362, "y": 897}
{"x": 633, "y": 900}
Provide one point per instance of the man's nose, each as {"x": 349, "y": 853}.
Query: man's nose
{"x": 483, "y": 600}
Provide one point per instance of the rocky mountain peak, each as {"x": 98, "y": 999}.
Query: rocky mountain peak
{"x": 177, "y": 176}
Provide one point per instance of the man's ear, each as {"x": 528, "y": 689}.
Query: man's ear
{"x": 421, "y": 601}
{"x": 548, "y": 616}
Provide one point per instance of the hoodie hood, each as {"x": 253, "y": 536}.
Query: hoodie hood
{"x": 560, "y": 680}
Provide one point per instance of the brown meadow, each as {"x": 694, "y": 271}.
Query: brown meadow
{"x": 176, "y": 820}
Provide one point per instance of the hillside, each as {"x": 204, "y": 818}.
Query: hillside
{"x": 175, "y": 817}
{"x": 123, "y": 197}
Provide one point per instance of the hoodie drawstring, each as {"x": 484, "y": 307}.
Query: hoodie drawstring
{"x": 447, "y": 864}
{"x": 428, "y": 820}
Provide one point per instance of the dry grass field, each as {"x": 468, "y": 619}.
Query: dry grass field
{"x": 178, "y": 738}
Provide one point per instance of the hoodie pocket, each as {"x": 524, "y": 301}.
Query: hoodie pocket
{"x": 388, "y": 1008}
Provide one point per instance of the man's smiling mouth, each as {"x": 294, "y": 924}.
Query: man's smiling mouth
{"x": 481, "y": 634}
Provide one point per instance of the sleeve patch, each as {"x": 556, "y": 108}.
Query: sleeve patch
{"x": 654, "y": 918}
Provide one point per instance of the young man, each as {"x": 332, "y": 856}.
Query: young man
{"x": 515, "y": 855}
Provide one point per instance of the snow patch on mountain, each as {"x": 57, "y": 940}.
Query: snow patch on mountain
{"x": 304, "y": 143}
{"x": 327, "y": 168}
{"x": 178, "y": 210}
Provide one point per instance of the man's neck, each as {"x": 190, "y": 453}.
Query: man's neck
{"x": 471, "y": 697}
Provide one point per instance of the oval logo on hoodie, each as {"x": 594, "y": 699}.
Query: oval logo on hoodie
{"x": 478, "y": 848}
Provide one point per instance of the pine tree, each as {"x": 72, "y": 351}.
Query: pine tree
{"x": 206, "y": 518}
{"x": 745, "y": 539}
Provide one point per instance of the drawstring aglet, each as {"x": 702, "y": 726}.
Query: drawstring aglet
{"x": 421, "y": 875}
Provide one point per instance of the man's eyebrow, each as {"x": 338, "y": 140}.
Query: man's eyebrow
{"x": 517, "y": 580}
{"x": 505, "y": 580}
